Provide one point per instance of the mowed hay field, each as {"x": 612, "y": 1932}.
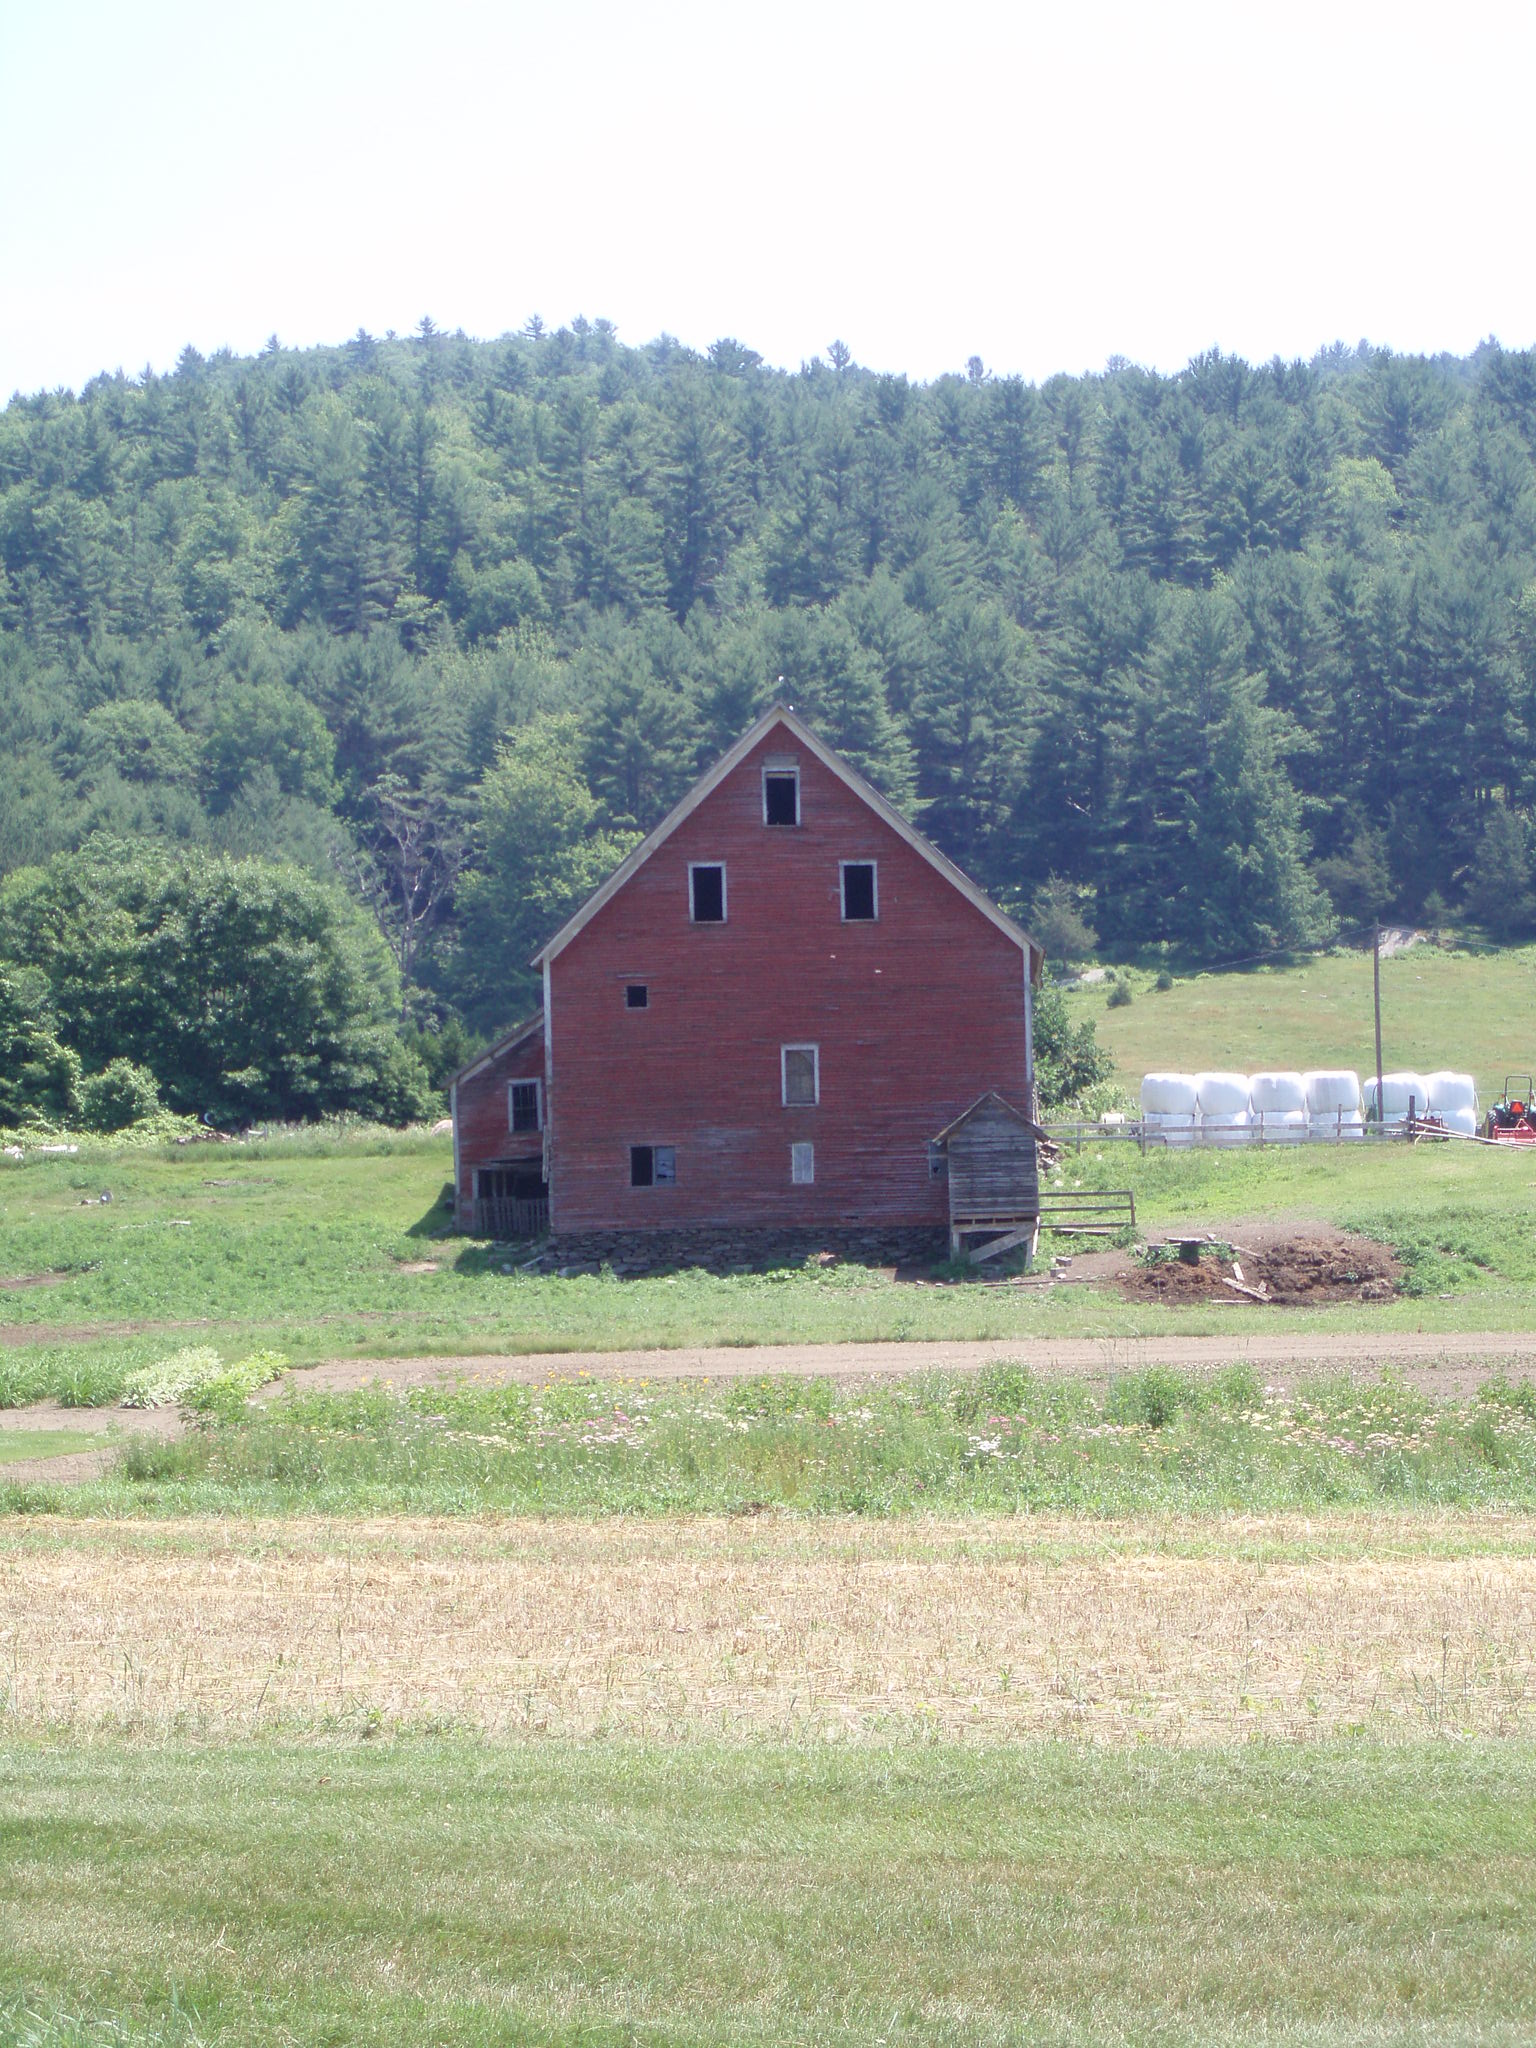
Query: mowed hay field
{"x": 985, "y": 1706}
{"x": 837, "y": 1628}
{"x": 1470, "y": 1011}
{"x": 772, "y": 1780}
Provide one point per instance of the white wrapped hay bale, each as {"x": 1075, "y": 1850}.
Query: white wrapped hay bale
{"x": 1280, "y": 1126}
{"x": 1340, "y": 1126}
{"x": 1333, "y": 1104}
{"x": 1331, "y": 1089}
{"x": 1168, "y": 1094}
{"x": 1270, "y": 1094}
{"x": 1226, "y": 1115}
{"x": 1397, "y": 1092}
{"x": 1279, "y": 1104}
{"x": 1170, "y": 1127}
{"x": 1450, "y": 1094}
{"x": 1463, "y": 1120}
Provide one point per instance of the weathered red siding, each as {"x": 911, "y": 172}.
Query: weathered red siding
{"x": 483, "y": 1129}
{"x": 916, "y": 1014}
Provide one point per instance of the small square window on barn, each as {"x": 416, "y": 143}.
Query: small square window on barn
{"x": 800, "y": 1076}
{"x": 523, "y": 1105}
{"x": 706, "y": 891}
{"x": 652, "y": 1166}
{"x": 861, "y": 891}
{"x": 802, "y": 1165}
{"x": 637, "y": 996}
{"x": 781, "y": 796}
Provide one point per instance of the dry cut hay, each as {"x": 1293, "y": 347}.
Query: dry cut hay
{"x": 772, "y": 1627}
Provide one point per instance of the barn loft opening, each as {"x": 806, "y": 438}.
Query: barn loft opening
{"x": 707, "y": 885}
{"x": 781, "y": 796}
{"x": 637, "y": 996}
{"x": 858, "y": 891}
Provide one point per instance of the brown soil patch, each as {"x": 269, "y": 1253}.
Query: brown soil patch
{"x": 1297, "y": 1270}
{"x": 671, "y": 1629}
{"x": 16, "y": 1280}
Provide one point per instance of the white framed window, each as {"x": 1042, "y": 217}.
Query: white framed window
{"x": 706, "y": 892}
{"x": 652, "y": 1166}
{"x": 802, "y": 1165}
{"x": 800, "y": 1076}
{"x": 781, "y": 793}
{"x": 860, "y": 890}
{"x": 525, "y": 1105}
{"x": 637, "y": 995}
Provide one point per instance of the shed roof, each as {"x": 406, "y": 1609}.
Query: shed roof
{"x": 993, "y": 1099}
{"x": 508, "y": 1042}
{"x": 780, "y": 714}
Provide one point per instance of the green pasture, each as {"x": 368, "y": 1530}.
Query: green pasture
{"x": 1474, "y": 1012}
{"x": 309, "y": 1251}
{"x": 461, "y": 1893}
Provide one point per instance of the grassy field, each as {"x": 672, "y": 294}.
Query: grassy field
{"x": 1471, "y": 1011}
{"x": 998, "y": 1441}
{"x": 1162, "y": 1707}
{"x": 442, "y": 1891}
{"x": 346, "y": 1252}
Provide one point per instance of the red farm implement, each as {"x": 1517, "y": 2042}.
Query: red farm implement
{"x": 1512, "y": 1119}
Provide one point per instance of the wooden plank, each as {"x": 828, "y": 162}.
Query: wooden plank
{"x": 996, "y": 1246}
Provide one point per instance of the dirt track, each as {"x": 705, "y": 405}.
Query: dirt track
{"x": 1436, "y": 1361}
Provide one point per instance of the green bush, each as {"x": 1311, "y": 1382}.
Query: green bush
{"x": 1119, "y": 995}
{"x": 122, "y": 1095}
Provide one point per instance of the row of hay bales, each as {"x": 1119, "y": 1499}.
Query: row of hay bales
{"x": 1287, "y": 1108}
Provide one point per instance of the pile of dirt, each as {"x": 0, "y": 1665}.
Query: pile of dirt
{"x": 1298, "y": 1271}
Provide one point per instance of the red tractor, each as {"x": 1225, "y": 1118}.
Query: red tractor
{"x": 1512, "y": 1119}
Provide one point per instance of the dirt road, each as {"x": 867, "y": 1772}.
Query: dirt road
{"x": 1436, "y": 1361}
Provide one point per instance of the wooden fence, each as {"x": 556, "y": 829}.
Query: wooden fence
{"x": 505, "y": 1218}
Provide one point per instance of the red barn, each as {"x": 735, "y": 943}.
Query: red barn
{"x": 759, "y": 1022}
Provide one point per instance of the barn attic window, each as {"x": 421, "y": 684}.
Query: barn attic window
{"x": 706, "y": 891}
{"x": 523, "y": 1105}
{"x": 652, "y": 1166}
{"x": 781, "y": 796}
{"x": 861, "y": 895}
{"x": 637, "y": 996}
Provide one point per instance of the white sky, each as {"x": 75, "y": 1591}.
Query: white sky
{"x": 1042, "y": 186}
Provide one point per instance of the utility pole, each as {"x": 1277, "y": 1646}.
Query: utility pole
{"x": 1376, "y": 974}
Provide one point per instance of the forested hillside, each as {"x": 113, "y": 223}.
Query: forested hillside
{"x": 1234, "y": 654}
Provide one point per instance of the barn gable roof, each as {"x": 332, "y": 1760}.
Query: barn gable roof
{"x": 781, "y": 715}
{"x": 508, "y": 1042}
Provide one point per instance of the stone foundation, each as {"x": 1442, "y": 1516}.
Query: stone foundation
{"x": 740, "y": 1250}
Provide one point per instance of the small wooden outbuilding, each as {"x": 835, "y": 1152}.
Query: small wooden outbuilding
{"x": 991, "y": 1156}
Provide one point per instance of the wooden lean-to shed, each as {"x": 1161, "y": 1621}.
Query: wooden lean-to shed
{"x": 991, "y": 1158}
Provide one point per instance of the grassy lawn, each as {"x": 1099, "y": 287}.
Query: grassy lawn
{"x": 19, "y": 1445}
{"x": 311, "y": 1252}
{"x": 1471, "y": 1011}
{"x": 437, "y": 1890}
